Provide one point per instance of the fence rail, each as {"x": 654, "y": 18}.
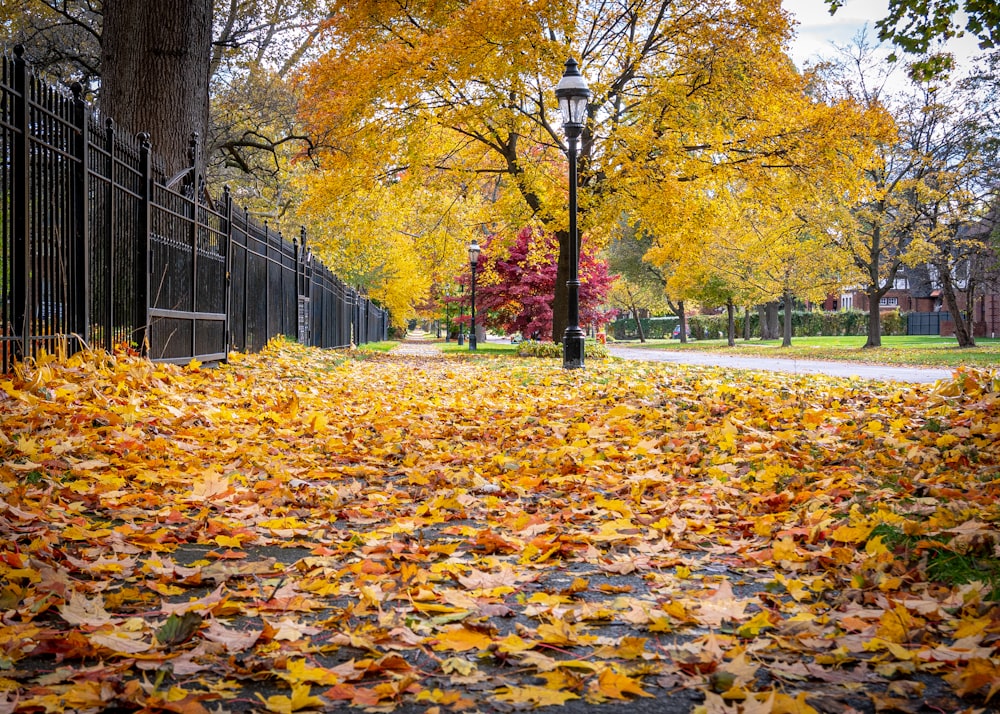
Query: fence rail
{"x": 96, "y": 249}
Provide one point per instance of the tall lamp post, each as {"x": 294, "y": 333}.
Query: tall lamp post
{"x": 473, "y": 262}
{"x": 573, "y": 95}
{"x": 447, "y": 313}
{"x": 461, "y": 316}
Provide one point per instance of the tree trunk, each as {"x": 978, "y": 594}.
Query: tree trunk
{"x": 683, "y": 336}
{"x": 786, "y": 334}
{"x": 746, "y": 324}
{"x": 874, "y": 321}
{"x": 963, "y": 330}
{"x": 731, "y": 319}
{"x": 769, "y": 321}
{"x": 638, "y": 325}
{"x": 560, "y": 298}
{"x": 155, "y": 60}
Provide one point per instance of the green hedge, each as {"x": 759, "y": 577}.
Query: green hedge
{"x": 813, "y": 323}
{"x": 530, "y": 348}
{"x": 653, "y": 328}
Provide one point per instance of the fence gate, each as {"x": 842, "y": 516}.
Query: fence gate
{"x": 189, "y": 249}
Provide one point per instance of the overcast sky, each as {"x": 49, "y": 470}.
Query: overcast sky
{"x": 817, "y": 29}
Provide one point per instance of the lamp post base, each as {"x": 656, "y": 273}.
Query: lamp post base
{"x": 472, "y": 341}
{"x": 573, "y": 348}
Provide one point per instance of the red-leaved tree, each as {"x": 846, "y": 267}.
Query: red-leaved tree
{"x": 516, "y": 285}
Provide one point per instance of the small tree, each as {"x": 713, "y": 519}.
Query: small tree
{"x": 517, "y": 283}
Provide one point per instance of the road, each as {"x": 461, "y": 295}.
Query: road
{"x": 886, "y": 373}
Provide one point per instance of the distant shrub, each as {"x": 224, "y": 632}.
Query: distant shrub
{"x": 529, "y": 348}
{"x": 805, "y": 323}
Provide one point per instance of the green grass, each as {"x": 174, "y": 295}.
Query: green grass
{"x": 927, "y": 351}
{"x": 484, "y": 348}
{"x": 943, "y": 562}
{"x": 385, "y": 346}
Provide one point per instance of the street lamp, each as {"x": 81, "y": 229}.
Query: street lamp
{"x": 447, "y": 313}
{"x": 473, "y": 262}
{"x": 461, "y": 316}
{"x": 573, "y": 95}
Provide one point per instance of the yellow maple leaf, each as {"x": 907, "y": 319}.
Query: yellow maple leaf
{"x": 300, "y": 672}
{"x": 895, "y": 625}
{"x": 513, "y": 644}
{"x": 462, "y": 639}
{"x": 851, "y": 534}
{"x": 614, "y": 685}
{"x": 301, "y": 699}
{"x": 535, "y": 695}
{"x": 753, "y": 627}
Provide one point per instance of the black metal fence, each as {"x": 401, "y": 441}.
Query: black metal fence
{"x": 96, "y": 249}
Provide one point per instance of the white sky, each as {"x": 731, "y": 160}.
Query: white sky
{"x": 817, "y": 29}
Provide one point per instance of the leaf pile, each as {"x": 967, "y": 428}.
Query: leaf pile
{"x": 299, "y": 530}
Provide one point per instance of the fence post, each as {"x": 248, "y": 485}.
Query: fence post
{"x": 80, "y": 296}
{"x": 142, "y": 257}
{"x": 20, "y": 274}
{"x": 246, "y": 281}
{"x": 110, "y": 209}
{"x": 193, "y": 183}
{"x": 268, "y": 334}
{"x": 227, "y": 198}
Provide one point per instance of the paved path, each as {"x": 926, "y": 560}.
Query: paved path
{"x": 415, "y": 343}
{"x": 778, "y": 364}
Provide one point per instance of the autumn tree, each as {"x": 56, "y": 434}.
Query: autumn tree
{"x": 931, "y": 178}
{"x": 461, "y": 92}
{"x": 517, "y": 282}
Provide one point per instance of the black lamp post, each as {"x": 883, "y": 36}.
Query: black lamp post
{"x": 461, "y": 316}
{"x": 573, "y": 95}
{"x": 447, "y": 314}
{"x": 473, "y": 262}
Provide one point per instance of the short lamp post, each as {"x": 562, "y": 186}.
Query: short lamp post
{"x": 573, "y": 95}
{"x": 473, "y": 262}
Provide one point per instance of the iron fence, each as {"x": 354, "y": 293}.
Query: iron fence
{"x": 98, "y": 249}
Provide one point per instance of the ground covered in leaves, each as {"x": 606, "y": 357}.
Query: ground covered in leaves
{"x": 305, "y": 530}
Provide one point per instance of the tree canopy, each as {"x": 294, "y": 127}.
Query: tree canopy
{"x": 688, "y": 97}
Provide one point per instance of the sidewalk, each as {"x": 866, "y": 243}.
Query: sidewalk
{"x": 415, "y": 343}
{"x": 886, "y": 373}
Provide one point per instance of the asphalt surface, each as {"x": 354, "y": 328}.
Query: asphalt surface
{"x": 885, "y": 373}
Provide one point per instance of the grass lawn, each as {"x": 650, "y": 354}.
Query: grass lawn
{"x": 487, "y": 348}
{"x": 928, "y": 351}
{"x": 384, "y": 346}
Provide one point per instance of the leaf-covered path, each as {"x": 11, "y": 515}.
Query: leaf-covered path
{"x": 304, "y": 530}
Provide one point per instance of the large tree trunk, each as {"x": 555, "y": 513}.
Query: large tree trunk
{"x": 155, "y": 60}
{"x": 875, "y": 295}
{"x": 746, "y": 324}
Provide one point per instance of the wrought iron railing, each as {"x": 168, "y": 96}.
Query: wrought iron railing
{"x": 98, "y": 248}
